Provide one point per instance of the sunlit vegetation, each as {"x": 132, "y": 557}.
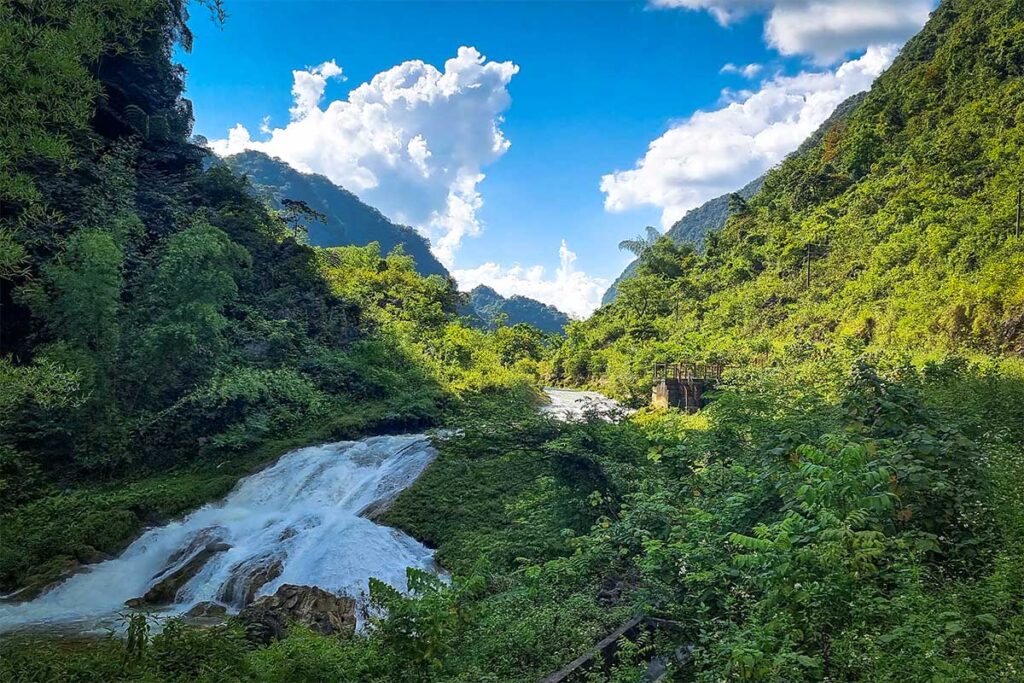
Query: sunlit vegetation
{"x": 847, "y": 507}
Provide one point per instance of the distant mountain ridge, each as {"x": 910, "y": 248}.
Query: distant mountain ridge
{"x": 485, "y": 306}
{"x": 712, "y": 215}
{"x": 348, "y": 220}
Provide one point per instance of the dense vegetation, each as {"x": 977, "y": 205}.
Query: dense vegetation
{"x": 691, "y": 229}
{"x": 713, "y": 214}
{"x": 164, "y": 330}
{"x": 848, "y": 507}
{"x": 487, "y": 309}
{"x": 905, "y": 211}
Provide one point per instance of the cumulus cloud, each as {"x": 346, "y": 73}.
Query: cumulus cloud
{"x": 569, "y": 290}
{"x": 748, "y": 71}
{"x": 412, "y": 141}
{"x": 714, "y": 152}
{"x": 825, "y": 29}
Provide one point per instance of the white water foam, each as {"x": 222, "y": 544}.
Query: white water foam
{"x": 571, "y": 405}
{"x": 303, "y": 512}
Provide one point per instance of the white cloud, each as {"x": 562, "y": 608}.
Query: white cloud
{"x": 308, "y": 87}
{"x": 715, "y": 152}
{"x": 570, "y": 290}
{"x": 412, "y": 142}
{"x": 825, "y": 29}
{"x": 748, "y": 71}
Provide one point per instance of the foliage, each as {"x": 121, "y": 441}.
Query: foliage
{"x": 846, "y": 508}
{"x": 901, "y": 214}
{"x": 160, "y": 319}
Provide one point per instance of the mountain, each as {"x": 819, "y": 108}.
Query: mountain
{"x": 893, "y": 229}
{"x": 347, "y": 220}
{"x": 691, "y": 228}
{"x": 484, "y": 306}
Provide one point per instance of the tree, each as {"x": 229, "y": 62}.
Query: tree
{"x": 184, "y": 300}
{"x": 639, "y": 245}
{"x": 295, "y": 213}
{"x": 665, "y": 258}
{"x": 79, "y": 297}
{"x": 738, "y": 205}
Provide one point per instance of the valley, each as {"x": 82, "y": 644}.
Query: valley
{"x": 254, "y": 429}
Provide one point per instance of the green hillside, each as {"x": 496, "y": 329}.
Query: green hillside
{"x": 486, "y": 308}
{"x": 164, "y": 331}
{"x": 343, "y": 219}
{"x": 902, "y": 217}
{"x": 690, "y": 229}
{"x": 712, "y": 216}
{"x": 847, "y": 506}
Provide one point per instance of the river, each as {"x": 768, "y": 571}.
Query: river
{"x": 301, "y": 521}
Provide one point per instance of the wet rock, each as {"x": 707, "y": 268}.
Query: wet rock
{"x": 54, "y": 573}
{"x": 206, "y": 610}
{"x": 165, "y": 590}
{"x": 89, "y": 555}
{"x": 213, "y": 534}
{"x": 248, "y": 577}
{"x": 206, "y": 614}
{"x": 375, "y": 510}
{"x": 268, "y": 616}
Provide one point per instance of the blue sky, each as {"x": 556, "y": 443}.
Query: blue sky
{"x": 560, "y": 96}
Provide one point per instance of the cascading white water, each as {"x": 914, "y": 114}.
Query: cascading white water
{"x": 570, "y": 405}
{"x": 301, "y": 516}
{"x": 302, "y": 521}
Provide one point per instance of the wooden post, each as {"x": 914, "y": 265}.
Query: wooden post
{"x": 808, "y": 266}
{"x": 1016, "y": 231}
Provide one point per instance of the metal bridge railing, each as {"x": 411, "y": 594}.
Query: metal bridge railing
{"x": 689, "y": 371}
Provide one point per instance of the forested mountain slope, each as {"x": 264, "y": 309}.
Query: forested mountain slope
{"x": 344, "y": 219}
{"x": 848, "y": 508}
{"x": 896, "y": 230}
{"x": 486, "y": 308}
{"x": 691, "y": 228}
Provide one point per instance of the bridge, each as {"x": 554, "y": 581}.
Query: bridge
{"x": 682, "y": 385}
{"x": 602, "y": 656}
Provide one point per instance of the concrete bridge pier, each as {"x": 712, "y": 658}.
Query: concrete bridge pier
{"x": 683, "y": 385}
{"x": 687, "y": 395}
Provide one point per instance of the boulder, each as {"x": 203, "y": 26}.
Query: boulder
{"x": 206, "y": 614}
{"x": 166, "y": 589}
{"x": 203, "y": 538}
{"x": 247, "y": 578}
{"x": 267, "y": 617}
{"x": 89, "y": 555}
{"x": 206, "y": 610}
{"x": 53, "y": 573}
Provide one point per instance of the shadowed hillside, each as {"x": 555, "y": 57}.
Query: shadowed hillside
{"x": 345, "y": 219}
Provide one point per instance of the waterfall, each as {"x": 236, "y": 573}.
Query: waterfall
{"x": 302, "y": 521}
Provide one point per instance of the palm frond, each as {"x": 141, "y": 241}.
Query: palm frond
{"x": 636, "y": 246}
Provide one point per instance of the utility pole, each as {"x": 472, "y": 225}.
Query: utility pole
{"x": 808, "y": 265}
{"x": 1016, "y": 231}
